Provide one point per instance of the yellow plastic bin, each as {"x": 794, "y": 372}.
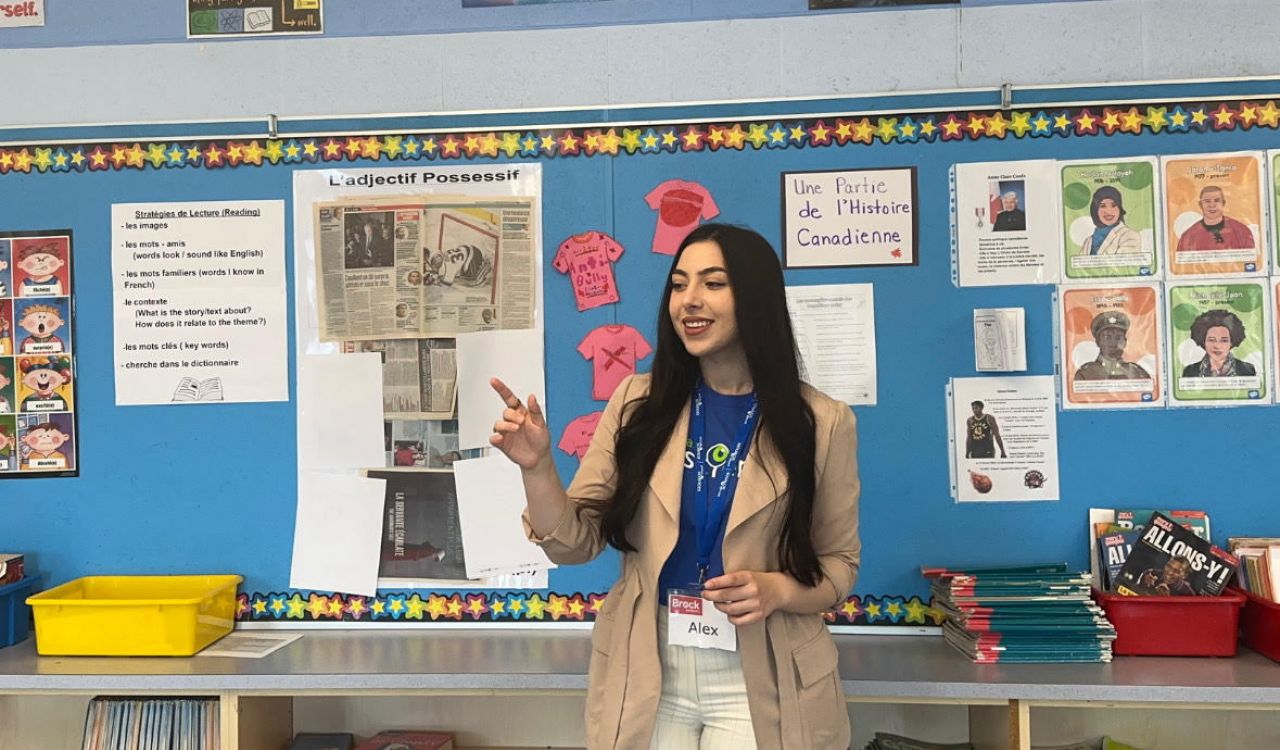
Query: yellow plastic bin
{"x": 134, "y": 615}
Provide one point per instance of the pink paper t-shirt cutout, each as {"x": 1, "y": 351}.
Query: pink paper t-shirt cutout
{"x": 588, "y": 259}
{"x": 680, "y": 205}
{"x": 577, "y": 436}
{"x": 614, "y": 351}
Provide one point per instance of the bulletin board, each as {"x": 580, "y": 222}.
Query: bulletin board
{"x": 177, "y": 490}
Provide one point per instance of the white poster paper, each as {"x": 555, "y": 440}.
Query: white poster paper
{"x": 335, "y": 507}
{"x": 199, "y": 295}
{"x": 514, "y": 357}
{"x": 835, "y": 330}
{"x": 340, "y": 413}
{"x": 1005, "y": 223}
{"x": 490, "y": 500}
{"x": 852, "y": 217}
{"x": 21, "y": 13}
{"x": 1004, "y": 438}
{"x": 1000, "y": 339}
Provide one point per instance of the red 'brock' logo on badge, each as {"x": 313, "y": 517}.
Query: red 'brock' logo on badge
{"x": 685, "y": 605}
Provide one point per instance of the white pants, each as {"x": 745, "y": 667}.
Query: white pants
{"x": 704, "y": 699}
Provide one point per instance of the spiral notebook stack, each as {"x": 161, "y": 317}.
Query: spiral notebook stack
{"x": 1032, "y": 613}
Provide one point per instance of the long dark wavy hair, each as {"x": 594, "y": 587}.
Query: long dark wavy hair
{"x": 764, "y": 329}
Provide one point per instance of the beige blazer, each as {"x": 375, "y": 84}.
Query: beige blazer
{"x": 788, "y": 661}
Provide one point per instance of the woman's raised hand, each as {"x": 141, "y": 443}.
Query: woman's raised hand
{"x": 522, "y": 432}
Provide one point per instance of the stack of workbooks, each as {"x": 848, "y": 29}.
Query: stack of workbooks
{"x": 886, "y": 741}
{"x": 1259, "y": 572}
{"x": 1032, "y": 613}
{"x": 151, "y": 724}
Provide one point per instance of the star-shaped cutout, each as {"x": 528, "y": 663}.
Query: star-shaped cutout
{"x": 888, "y": 129}
{"x": 391, "y": 146}
{"x": 797, "y": 133}
{"x": 548, "y": 144}
{"x": 758, "y": 134}
{"x": 1062, "y": 122}
{"x": 194, "y": 154}
{"x": 489, "y": 144}
{"x": 1086, "y": 123}
{"x": 454, "y": 607}
{"x": 476, "y": 605}
{"x": 558, "y": 607}
{"x": 996, "y": 125}
{"x": 235, "y": 153}
{"x": 253, "y": 153}
{"x": 535, "y": 607}
{"x": 1156, "y": 118}
{"x": 1020, "y": 124}
{"x": 649, "y": 142}
{"x": 843, "y": 131}
{"x": 510, "y": 144}
{"x": 310, "y": 150}
{"x": 336, "y": 607}
{"x": 156, "y": 154}
{"x": 735, "y": 137}
{"x": 692, "y": 139}
{"x": 213, "y": 155}
{"x": 850, "y": 609}
{"x": 630, "y": 140}
{"x": 1198, "y": 117}
{"x": 951, "y": 128}
{"x": 568, "y": 143}
{"x": 295, "y": 607}
{"x": 97, "y": 158}
{"x": 1131, "y": 121}
{"x": 357, "y": 606}
{"x": 293, "y": 152}
{"x": 669, "y": 139}
{"x": 259, "y": 606}
{"x": 354, "y": 147}
{"x": 1040, "y": 124}
{"x": 976, "y": 125}
{"x": 819, "y": 134}
{"x": 872, "y": 611}
{"x": 317, "y": 605}
{"x": 1224, "y": 118}
{"x": 414, "y": 607}
{"x": 864, "y": 131}
{"x": 378, "y": 608}
{"x": 715, "y": 136}
{"x": 609, "y": 142}
{"x": 529, "y": 146}
{"x": 449, "y": 147}
{"x": 1269, "y": 115}
{"x": 275, "y": 151}
{"x": 44, "y": 159}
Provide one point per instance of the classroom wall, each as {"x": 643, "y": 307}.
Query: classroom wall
{"x": 697, "y": 54}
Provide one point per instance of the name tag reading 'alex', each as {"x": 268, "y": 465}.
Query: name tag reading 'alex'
{"x": 694, "y": 621}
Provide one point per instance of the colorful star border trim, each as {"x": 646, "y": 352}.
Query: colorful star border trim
{"x": 850, "y": 130}
{"x": 465, "y": 607}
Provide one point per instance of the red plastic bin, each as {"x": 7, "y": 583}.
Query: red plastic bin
{"x": 1174, "y": 625}
{"x": 1260, "y": 624}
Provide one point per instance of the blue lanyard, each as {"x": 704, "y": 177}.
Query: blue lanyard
{"x": 715, "y": 504}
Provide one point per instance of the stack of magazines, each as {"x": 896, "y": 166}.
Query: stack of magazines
{"x": 1031, "y": 613}
{"x": 151, "y": 724}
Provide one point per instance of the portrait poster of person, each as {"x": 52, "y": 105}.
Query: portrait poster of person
{"x": 40, "y": 325}
{"x": 6, "y": 263}
{"x": 46, "y": 442}
{"x": 982, "y": 434}
{"x": 1219, "y": 342}
{"x": 8, "y": 443}
{"x": 8, "y": 397}
{"x": 1008, "y": 206}
{"x": 421, "y": 533}
{"x": 1109, "y": 219}
{"x": 1213, "y": 214}
{"x": 1006, "y": 222}
{"x": 1110, "y": 340}
{"x": 461, "y": 257}
{"x": 6, "y": 327}
{"x": 367, "y": 239}
{"x": 40, "y": 266}
{"x": 44, "y": 383}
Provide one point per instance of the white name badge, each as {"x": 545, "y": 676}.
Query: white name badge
{"x": 694, "y": 621}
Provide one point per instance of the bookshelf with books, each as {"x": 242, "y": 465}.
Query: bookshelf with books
{"x": 525, "y": 690}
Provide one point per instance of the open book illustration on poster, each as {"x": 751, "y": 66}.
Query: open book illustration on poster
{"x": 194, "y": 389}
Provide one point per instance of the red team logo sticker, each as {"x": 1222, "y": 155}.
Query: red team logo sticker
{"x": 685, "y": 605}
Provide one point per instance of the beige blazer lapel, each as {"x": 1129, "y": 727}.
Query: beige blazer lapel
{"x": 668, "y": 474}
{"x": 762, "y": 481}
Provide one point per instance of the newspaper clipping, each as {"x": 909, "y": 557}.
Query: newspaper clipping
{"x": 424, "y": 266}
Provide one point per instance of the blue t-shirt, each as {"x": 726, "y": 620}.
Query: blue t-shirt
{"x": 724, "y": 418}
